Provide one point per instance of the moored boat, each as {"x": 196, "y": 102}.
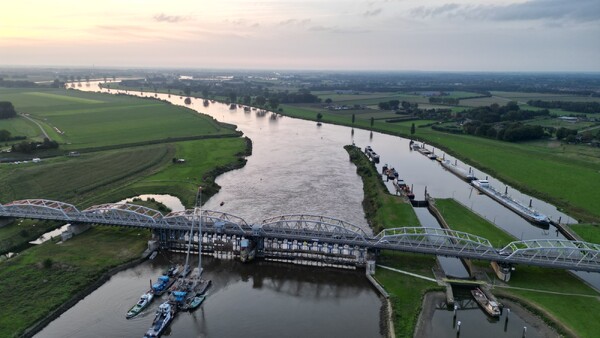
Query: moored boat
{"x": 196, "y": 302}
{"x": 163, "y": 284}
{"x": 517, "y": 207}
{"x": 164, "y": 316}
{"x": 491, "y": 307}
{"x": 458, "y": 171}
{"x": 144, "y": 301}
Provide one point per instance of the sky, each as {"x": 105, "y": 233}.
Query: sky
{"x": 393, "y": 35}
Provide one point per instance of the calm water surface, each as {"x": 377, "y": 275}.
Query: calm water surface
{"x": 296, "y": 167}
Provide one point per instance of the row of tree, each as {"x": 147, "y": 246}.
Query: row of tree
{"x": 578, "y": 107}
{"x": 496, "y": 113}
{"x": 30, "y": 147}
{"x": 511, "y": 132}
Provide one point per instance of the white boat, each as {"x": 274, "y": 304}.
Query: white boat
{"x": 164, "y": 316}
{"x": 144, "y": 301}
{"x": 517, "y": 207}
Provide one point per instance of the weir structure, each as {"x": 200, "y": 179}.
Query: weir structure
{"x": 312, "y": 239}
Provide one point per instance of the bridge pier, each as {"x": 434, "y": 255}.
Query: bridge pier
{"x": 74, "y": 229}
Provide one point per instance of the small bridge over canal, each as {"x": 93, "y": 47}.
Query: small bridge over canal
{"x": 309, "y": 238}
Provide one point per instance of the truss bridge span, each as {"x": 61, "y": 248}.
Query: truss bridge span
{"x": 312, "y": 238}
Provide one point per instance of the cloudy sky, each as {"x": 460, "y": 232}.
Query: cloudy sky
{"x": 436, "y": 35}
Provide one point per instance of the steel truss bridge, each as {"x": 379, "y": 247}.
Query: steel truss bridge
{"x": 324, "y": 231}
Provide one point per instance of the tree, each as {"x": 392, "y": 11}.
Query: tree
{"x": 405, "y": 104}
{"x": 7, "y": 110}
{"x": 328, "y": 100}
{"x": 319, "y": 117}
{"x": 4, "y": 135}
{"x": 232, "y": 97}
{"x": 372, "y": 121}
{"x": 187, "y": 100}
{"x": 187, "y": 91}
{"x": 353, "y": 118}
{"x": 273, "y": 102}
{"x": 412, "y": 129}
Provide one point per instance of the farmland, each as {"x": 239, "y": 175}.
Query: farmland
{"x": 80, "y": 120}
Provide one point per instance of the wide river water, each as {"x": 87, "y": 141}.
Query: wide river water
{"x": 296, "y": 167}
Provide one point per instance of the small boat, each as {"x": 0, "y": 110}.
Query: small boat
{"x": 164, "y": 316}
{"x": 247, "y": 250}
{"x": 391, "y": 173}
{"x": 205, "y": 102}
{"x": 144, "y": 301}
{"x": 196, "y": 302}
{"x": 458, "y": 171}
{"x": 491, "y": 307}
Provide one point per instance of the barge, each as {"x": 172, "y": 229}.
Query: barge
{"x": 491, "y": 307}
{"x": 458, "y": 171}
{"x": 517, "y": 207}
{"x": 372, "y": 154}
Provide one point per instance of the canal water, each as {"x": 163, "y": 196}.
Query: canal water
{"x": 296, "y": 167}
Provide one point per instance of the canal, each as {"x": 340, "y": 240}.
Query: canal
{"x": 296, "y": 167}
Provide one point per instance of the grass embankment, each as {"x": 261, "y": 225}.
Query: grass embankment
{"x": 457, "y": 217}
{"x": 18, "y": 234}
{"x": 43, "y": 277}
{"x": 588, "y": 232}
{"x": 384, "y": 210}
{"x": 555, "y": 296}
{"x": 560, "y": 174}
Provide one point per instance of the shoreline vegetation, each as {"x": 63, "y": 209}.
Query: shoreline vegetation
{"x": 540, "y": 291}
{"x": 42, "y": 281}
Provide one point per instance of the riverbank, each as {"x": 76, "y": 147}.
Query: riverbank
{"x": 546, "y": 173}
{"x": 545, "y": 292}
{"x": 382, "y": 209}
{"x": 47, "y": 279}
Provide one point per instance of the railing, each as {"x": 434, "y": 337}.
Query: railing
{"x": 563, "y": 254}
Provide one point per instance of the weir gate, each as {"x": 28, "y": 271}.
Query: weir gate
{"x": 308, "y": 238}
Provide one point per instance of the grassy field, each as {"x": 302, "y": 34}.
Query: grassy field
{"x": 76, "y": 180}
{"x": 563, "y": 303}
{"x": 45, "y": 276}
{"x": 201, "y": 157}
{"x": 16, "y": 235}
{"x": 462, "y": 219}
{"x": 90, "y": 120}
{"x": 406, "y": 292}
{"x": 589, "y": 232}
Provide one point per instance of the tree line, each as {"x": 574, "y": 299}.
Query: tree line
{"x": 578, "y": 107}
{"x": 30, "y": 147}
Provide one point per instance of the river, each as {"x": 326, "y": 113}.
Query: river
{"x": 296, "y": 167}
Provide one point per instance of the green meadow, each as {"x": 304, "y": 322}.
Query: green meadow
{"x": 43, "y": 277}
{"x": 83, "y": 120}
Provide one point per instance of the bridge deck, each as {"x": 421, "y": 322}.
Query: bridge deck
{"x": 561, "y": 254}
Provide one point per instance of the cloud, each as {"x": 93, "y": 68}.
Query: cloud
{"x": 294, "y": 22}
{"x": 162, "y": 17}
{"x": 337, "y": 30}
{"x": 577, "y": 11}
{"x": 374, "y": 12}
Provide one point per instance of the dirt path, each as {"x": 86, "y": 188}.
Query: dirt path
{"x": 44, "y": 134}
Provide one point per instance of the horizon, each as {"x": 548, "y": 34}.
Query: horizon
{"x": 520, "y": 36}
